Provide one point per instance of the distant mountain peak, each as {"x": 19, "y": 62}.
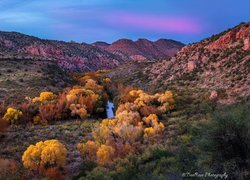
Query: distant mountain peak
{"x": 142, "y": 40}
{"x": 123, "y": 41}
{"x": 142, "y": 48}
{"x": 101, "y": 44}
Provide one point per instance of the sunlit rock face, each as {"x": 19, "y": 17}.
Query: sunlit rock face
{"x": 213, "y": 63}
{"x": 213, "y": 95}
{"x": 232, "y": 39}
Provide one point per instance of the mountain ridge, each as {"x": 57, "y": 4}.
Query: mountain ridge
{"x": 70, "y": 56}
{"x": 142, "y": 49}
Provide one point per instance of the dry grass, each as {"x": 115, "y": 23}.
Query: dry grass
{"x": 20, "y": 78}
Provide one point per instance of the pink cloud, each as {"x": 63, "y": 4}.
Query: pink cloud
{"x": 180, "y": 25}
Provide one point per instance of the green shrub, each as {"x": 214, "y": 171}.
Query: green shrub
{"x": 226, "y": 140}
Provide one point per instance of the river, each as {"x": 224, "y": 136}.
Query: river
{"x": 110, "y": 109}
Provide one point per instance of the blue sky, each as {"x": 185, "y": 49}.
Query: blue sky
{"x": 108, "y": 20}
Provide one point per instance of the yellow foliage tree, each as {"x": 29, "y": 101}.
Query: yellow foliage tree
{"x": 37, "y": 119}
{"x": 103, "y": 132}
{"x": 85, "y": 97}
{"x": 45, "y": 96}
{"x": 50, "y": 153}
{"x": 142, "y": 99}
{"x": 154, "y": 129}
{"x": 12, "y": 115}
{"x": 149, "y": 132}
{"x": 93, "y": 85}
{"x": 132, "y": 117}
{"x": 106, "y": 80}
{"x": 88, "y": 150}
{"x": 77, "y": 109}
{"x": 105, "y": 154}
{"x": 128, "y": 133}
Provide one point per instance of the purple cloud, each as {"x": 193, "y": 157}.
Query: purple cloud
{"x": 165, "y": 24}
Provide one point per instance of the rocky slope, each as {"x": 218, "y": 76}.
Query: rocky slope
{"x": 70, "y": 56}
{"x": 76, "y": 57}
{"x": 142, "y": 49}
{"x": 219, "y": 65}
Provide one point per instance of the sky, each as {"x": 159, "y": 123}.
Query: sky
{"x": 88, "y": 21}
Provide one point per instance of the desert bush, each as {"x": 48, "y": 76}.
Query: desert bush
{"x": 12, "y": 116}
{"x": 147, "y": 110}
{"x": 3, "y": 108}
{"x": 225, "y": 141}
{"x": 52, "y": 173}
{"x": 125, "y": 96}
{"x": 84, "y": 97}
{"x": 77, "y": 109}
{"x": 57, "y": 110}
{"x": 106, "y": 81}
{"x": 164, "y": 102}
{"x": 7, "y": 167}
{"x": 37, "y": 120}
{"x": 45, "y": 96}
{"x": 3, "y": 125}
{"x": 104, "y": 154}
{"x": 47, "y": 154}
{"x": 47, "y": 112}
{"x": 62, "y": 107}
{"x": 91, "y": 93}
{"x": 89, "y": 101}
{"x": 89, "y": 75}
{"x": 88, "y": 150}
{"x": 93, "y": 85}
{"x": 103, "y": 71}
{"x": 155, "y": 128}
{"x": 29, "y": 110}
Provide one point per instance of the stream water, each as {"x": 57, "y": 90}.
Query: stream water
{"x": 110, "y": 109}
